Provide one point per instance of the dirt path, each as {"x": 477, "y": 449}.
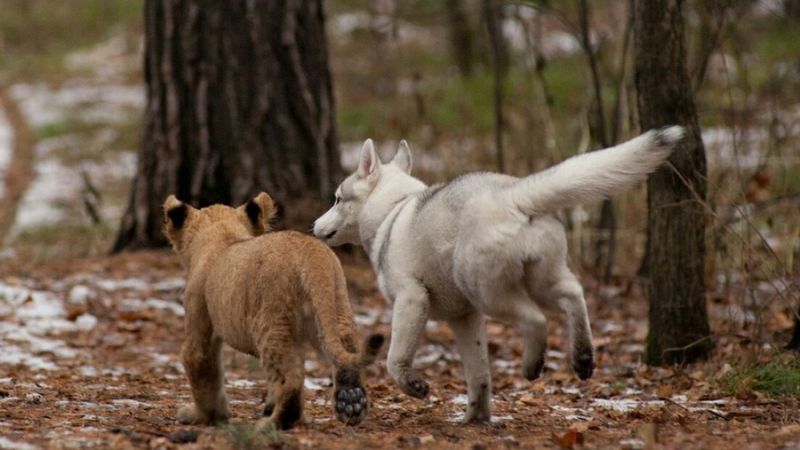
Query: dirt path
{"x": 20, "y": 168}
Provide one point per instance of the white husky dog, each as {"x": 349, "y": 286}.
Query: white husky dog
{"x": 485, "y": 243}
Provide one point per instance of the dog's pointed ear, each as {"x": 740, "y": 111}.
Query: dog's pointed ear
{"x": 403, "y": 157}
{"x": 175, "y": 212}
{"x": 260, "y": 211}
{"x": 368, "y": 162}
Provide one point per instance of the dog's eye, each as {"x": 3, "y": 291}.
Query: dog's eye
{"x": 338, "y": 199}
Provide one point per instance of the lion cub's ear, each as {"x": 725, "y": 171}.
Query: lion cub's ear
{"x": 175, "y": 212}
{"x": 260, "y": 211}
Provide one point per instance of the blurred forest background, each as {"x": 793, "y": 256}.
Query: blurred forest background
{"x": 557, "y": 76}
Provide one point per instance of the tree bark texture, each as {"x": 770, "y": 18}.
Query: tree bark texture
{"x": 679, "y": 331}
{"x": 239, "y": 100}
{"x": 493, "y": 12}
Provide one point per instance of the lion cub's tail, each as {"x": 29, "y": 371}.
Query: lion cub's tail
{"x": 334, "y": 319}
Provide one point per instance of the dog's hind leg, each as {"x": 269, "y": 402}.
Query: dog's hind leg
{"x": 470, "y": 337}
{"x": 410, "y": 314}
{"x": 516, "y": 307}
{"x": 566, "y": 295}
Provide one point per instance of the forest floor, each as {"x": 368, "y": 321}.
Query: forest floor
{"x": 91, "y": 359}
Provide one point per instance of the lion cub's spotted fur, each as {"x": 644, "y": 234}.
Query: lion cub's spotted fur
{"x": 265, "y": 295}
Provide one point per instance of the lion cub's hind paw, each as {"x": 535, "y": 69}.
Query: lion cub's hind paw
{"x": 350, "y": 405}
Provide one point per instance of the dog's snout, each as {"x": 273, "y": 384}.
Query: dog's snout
{"x": 330, "y": 235}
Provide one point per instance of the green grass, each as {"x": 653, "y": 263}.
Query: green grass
{"x": 244, "y": 436}
{"x": 776, "y": 378}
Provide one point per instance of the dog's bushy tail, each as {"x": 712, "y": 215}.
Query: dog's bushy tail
{"x": 593, "y": 176}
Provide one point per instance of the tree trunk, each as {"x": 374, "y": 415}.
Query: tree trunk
{"x": 607, "y": 224}
{"x": 460, "y": 33}
{"x": 679, "y": 331}
{"x": 239, "y": 100}
{"x": 794, "y": 342}
{"x": 493, "y": 12}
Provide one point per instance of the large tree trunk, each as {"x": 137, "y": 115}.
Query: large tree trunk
{"x": 679, "y": 331}
{"x": 239, "y": 100}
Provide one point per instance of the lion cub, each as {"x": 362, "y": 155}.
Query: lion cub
{"x": 265, "y": 295}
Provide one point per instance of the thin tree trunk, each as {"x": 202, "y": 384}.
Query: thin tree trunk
{"x": 460, "y": 33}
{"x": 239, "y": 99}
{"x": 794, "y": 342}
{"x": 493, "y": 13}
{"x": 607, "y": 224}
{"x": 679, "y": 331}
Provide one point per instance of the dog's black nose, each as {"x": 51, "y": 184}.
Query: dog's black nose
{"x": 330, "y": 235}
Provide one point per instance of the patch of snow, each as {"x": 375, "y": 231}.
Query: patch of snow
{"x": 32, "y": 319}
{"x": 10, "y": 399}
{"x": 496, "y": 419}
{"x": 366, "y": 318}
{"x": 34, "y": 397}
{"x": 316, "y": 384}
{"x": 135, "y": 304}
{"x": 88, "y": 371}
{"x": 108, "y": 59}
{"x": 578, "y": 417}
{"x": 57, "y": 186}
{"x": 553, "y": 42}
{"x": 460, "y": 399}
{"x": 44, "y": 105}
{"x": 506, "y": 366}
{"x": 6, "y": 443}
{"x": 431, "y": 353}
{"x": 129, "y": 403}
{"x": 159, "y": 359}
{"x": 241, "y": 384}
{"x": 632, "y": 443}
{"x": 170, "y": 284}
{"x": 571, "y": 390}
{"x": 749, "y": 151}
{"x": 80, "y": 294}
{"x": 133, "y": 284}
{"x": 624, "y": 404}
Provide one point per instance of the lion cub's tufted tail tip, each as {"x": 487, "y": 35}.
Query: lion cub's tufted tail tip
{"x": 372, "y": 346}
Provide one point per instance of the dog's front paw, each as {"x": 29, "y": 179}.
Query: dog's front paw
{"x": 583, "y": 363}
{"x": 350, "y": 405}
{"x": 413, "y": 385}
{"x": 476, "y": 416}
